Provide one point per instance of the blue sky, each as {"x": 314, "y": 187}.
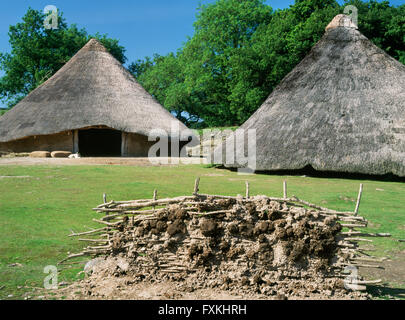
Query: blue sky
{"x": 144, "y": 27}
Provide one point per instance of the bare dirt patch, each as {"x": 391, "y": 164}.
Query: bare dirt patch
{"x": 392, "y": 275}
{"x": 140, "y": 162}
{"x": 124, "y": 288}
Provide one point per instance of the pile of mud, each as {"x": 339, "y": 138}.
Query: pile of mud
{"x": 256, "y": 247}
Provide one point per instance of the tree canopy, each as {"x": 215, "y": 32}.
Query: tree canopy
{"x": 38, "y": 53}
{"x": 239, "y": 53}
{"x": 241, "y": 50}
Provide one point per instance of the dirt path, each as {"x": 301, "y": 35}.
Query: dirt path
{"x": 123, "y": 288}
{"x": 139, "y": 162}
{"x": 393, "y": 277}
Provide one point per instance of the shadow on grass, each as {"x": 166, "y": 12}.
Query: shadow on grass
{"x": 383, "y": 292}
{"x": 309, "y": 171}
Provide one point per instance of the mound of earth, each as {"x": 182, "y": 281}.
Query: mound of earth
{"x": 240, "y": 248}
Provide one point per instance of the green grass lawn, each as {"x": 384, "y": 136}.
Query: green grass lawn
{"x": 39, "y": 211}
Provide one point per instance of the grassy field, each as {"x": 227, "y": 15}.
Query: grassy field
{"x": 39, "y": 206}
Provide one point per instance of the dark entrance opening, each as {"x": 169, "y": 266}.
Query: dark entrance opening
{"x": 100, "y": 143}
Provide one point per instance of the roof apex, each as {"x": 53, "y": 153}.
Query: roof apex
{"x": 94, "y": 45}
{"x": 341, "y": 20}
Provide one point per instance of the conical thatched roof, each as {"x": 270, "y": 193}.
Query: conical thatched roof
{"x": 92, "y": 89}
{"x": 341, "y": 109}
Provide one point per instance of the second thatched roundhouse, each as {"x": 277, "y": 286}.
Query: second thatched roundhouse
{"x": 341, "y": 109}
{"x": 92, "y": 105}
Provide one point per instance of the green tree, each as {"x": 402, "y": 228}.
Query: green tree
{"x": 163, "y": 77}
{"x": 37, "y": 53}
{"x": 210, "y": 59}
{"x": 396, "y": 34}
{"x": 303, "y": 9}
{"x": 140, "y": 66}
{"x": 383, "y": 24}
{"x": 276, "y": 48}
{"x": 241, "y": 50}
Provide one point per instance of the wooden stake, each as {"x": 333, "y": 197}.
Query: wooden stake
{"x": 138, "y": 205}
{"x": 344, "y": 265}
{"x": 358, "y": 239}
{"x": 209, "y": 213}
{"x": 356, "y": 287}
{"x": 115, "y": 224}
{"x": 352, "y": 233}
{"x": 369, "y": 282}
{"x": 368, "y": 259}
{"x": 88, "y": 232}
{"x": 105, "y": 201}
{"x": 72, "y": 256}
{"x": 356, "y": 211}
{"x": 104, "y": 205}
{"x": 154, "y": 198}
{"x": 94, "y": 240}
{"x": 285, "y": 189}
{"x": 367, "y": 266}
{"x": 196, "y": 186}
{"x": 353, "y": 225}
{"x": 247, "y": 190}
{"x": 364, "y": 234}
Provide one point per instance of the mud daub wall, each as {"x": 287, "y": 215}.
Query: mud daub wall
{"x": 133, "y": 145}
{"x": 250, "y": 242}
{"x": 136, "y": 145}
{"x": 57, "y": 142}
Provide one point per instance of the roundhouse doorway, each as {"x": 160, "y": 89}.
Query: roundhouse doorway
{"x": 100, "y": 143}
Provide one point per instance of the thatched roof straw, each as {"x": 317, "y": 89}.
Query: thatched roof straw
{"x": 341, "y": 109}
{"x": 92, "y": 89}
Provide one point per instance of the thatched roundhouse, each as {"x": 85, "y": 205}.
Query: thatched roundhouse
{"x": 92, "y": 105}
{"x": 342, "y": 109}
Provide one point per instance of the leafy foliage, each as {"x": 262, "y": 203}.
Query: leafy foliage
{"x": 241, "y": 50}
{"x": 37, "y": 53}
{"x": 164, "y": 78}
{"x": 384, "y": 25}
{"x": 239, "y": 53}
